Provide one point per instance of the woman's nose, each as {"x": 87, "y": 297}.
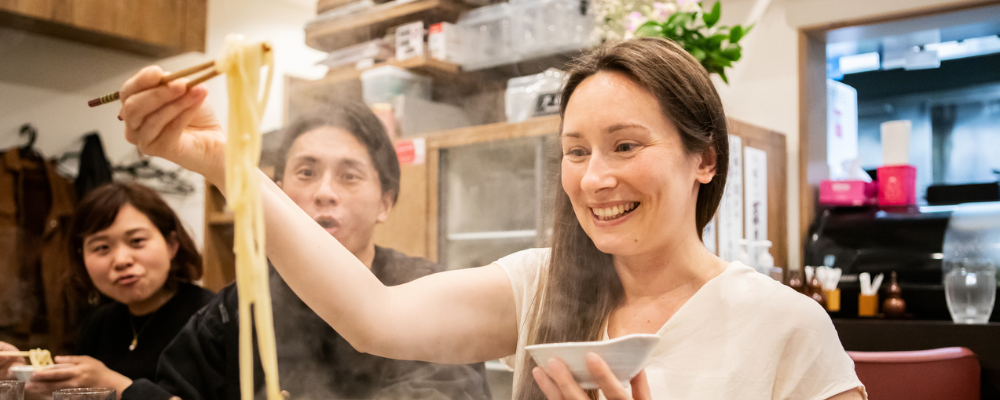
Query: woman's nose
{"x": 123, "y": 257}
{"x": 600, "y": 175}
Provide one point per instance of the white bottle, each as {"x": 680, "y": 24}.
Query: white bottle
{"x": 765, "y": 262}
{"x": 744, "y": 256}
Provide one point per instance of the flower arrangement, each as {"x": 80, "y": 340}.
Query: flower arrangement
{"x": 683, "y": 21}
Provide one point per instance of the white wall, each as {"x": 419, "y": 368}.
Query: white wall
{"x": 763, "y": 87}
{"x": 47, "y": 83}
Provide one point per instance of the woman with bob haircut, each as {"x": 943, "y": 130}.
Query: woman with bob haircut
{"x": 643, "y": 166}
{"x": 128, "y": 246}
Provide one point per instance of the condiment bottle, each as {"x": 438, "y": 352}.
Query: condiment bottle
{"x": 815, "y": 290}
{"x": 795, "y": 280}
{"x": 894, "y": 306}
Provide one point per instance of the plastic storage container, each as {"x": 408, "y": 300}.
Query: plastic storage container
{"x": 488, "y": 38}
{"x": 382, "y": 84}
{"x": 542, "y": 27}
{"x": 521, "y": 98}
{"x": 377, "y": 50}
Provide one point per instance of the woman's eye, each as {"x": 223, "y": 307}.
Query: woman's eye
{"x": 138, "y": 241}
{"x": 305, "y": 173}
{"x": 99, "y": 249}
{"x": 575, "y": 153}
{"x": 350, "y": 176}
{"x": 626, "y": 147}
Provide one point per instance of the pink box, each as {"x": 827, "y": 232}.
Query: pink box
{"x": 848, "y": 193}
{"x": 897, "y": 185}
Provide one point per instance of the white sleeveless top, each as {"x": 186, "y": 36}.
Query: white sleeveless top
{"x": 741, "y": 336}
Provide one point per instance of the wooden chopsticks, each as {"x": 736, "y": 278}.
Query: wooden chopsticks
{"x": 179, "y": 74}
{"x": 166, "y": 79}
{"x": 14, "y": 353}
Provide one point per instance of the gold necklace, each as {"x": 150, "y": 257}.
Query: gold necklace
{"x": 135, "y": 334}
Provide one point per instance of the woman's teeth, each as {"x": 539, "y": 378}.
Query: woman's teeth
{"x": 610, "y": 213}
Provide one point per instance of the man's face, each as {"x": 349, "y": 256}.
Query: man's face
{"x": 330, "y": 175}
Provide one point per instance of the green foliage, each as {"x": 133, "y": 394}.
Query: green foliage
{"x": 716, "y": 47}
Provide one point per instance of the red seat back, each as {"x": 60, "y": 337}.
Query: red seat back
{"x": 948, "y": 373}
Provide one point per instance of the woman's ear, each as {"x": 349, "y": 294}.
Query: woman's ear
{"x": 707, "y": 165}
{"x": 173, "y": 244}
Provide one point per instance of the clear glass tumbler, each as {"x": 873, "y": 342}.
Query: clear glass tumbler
{"x": 969, "y": 264}
{"x": 970, "y": 289}
{"x": 84, "y": 394}
{"x": 11, "y": 390}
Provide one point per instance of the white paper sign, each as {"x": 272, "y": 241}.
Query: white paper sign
{"x": 731, "y": 209}
{"x": 841, "y": 126}
{"x": 755, "y": 188}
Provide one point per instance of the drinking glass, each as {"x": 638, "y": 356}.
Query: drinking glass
{"x": 970, "y": 288}
{"x": 971, "y": 255}
{"x": 11, "y": 390}
{"x": 84, "y": 394}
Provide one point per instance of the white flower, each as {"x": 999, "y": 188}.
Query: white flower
{"x": 690, "y": 6}
{"x": 662, "y": 11}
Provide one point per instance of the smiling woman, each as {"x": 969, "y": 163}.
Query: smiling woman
{"x": 643, "y": 168}
{"x": 130, "y": 247}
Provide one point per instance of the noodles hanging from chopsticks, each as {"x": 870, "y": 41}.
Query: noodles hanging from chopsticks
{"x": 40, "y": 358}
{"x": 242, "y": 61}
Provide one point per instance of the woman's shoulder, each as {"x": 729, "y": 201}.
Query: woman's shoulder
{"x": 769, "y": 299}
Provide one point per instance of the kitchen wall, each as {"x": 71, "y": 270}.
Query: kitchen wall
{"x": 764, "y": 86}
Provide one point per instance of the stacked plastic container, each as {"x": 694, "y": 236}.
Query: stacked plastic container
{"x": 523, "y": 29}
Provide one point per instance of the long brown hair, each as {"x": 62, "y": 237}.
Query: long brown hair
{"x": 98, "y": 210}
{"x": 582, "y": 288}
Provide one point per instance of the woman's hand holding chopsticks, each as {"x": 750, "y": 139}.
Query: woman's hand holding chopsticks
{"x": 173, "y": 122}
{"x": 9, "y": 361}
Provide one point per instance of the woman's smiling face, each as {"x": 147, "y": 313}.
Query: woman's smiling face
{"x": 632, "y": 183}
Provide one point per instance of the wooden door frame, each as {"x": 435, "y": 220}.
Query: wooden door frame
{"x": 812, "y": 94}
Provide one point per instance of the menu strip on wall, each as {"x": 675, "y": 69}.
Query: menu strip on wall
{"x": 731, "y": 210}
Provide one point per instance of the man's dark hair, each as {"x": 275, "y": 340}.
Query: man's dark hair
{"x": 356, "y": 118}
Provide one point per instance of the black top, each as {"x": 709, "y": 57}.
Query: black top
{"x": 107, "y": 333}
{"x": 314, "y": 361}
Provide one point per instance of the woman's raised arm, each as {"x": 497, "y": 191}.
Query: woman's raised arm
{"x": 457, "y": 316}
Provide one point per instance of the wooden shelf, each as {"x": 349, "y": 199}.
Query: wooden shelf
{"x": 484, "y": 133}
{"x": 150, "y": 28}
{"x": 217, "y": 218}
{"x": 333, "y": 34}
{"x": 327, "y": 5}
{"x": 425, "y": 65}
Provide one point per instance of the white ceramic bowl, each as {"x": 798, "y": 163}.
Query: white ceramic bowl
{"x": 626, "y": 356}
{"x": 24, "y": 372}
